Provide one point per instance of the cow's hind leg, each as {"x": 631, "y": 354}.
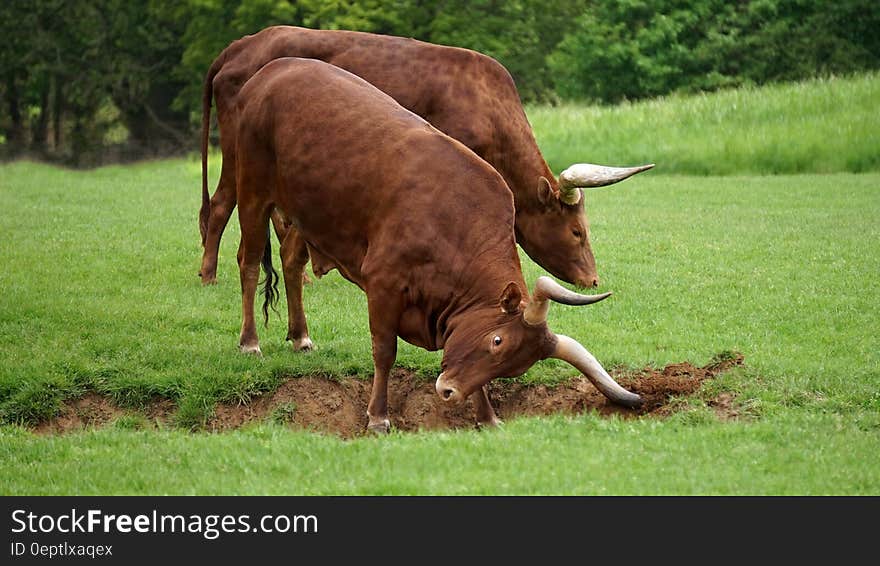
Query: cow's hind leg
{"x": 222, "y": 205}
{"x": 282, "y": 227}
{"x": 486, "y": 416}
{"x": 254, "y": 220}
{"x": 294, "y": 257}
{"x": 280, "y": 223}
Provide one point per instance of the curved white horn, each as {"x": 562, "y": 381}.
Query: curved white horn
{"x": 571, "y": 351}
{"x": 588, "y": 175}
{"x": 547, "y": 290}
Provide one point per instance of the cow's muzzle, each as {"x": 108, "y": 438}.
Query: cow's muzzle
{"x": 587, "y": 282}
{"x": 447, "y": 391}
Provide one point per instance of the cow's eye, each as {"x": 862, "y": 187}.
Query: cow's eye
{"x": 497, "y": 340}
{"x": 576, "y": 233}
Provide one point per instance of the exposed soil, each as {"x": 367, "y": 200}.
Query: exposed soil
{"x": 94, "y": 411}
{"x": 338, "y": 406}
{"x": 89, "y": 410}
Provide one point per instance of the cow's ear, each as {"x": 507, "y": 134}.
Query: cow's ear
{"x": 511, "y": 298}
{"x": 545, "y": 191}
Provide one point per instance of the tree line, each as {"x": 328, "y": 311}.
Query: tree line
{"x": 89, "y": 81}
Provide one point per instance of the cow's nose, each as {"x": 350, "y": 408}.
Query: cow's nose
{"x": 446, "y": 391}
{"x": 588, "y": 282}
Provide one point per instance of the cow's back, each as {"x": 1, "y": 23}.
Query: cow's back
{"x": 465, "y": 94}
{"x": 358, "y": 173}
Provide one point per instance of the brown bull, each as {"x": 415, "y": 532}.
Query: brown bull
{"x": 466, "y": 95}
{"x": 414, "y": 218}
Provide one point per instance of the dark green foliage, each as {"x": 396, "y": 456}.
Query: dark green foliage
{"x": 108, "y": 80}
{"x": 626, "y": 49}
{"x": 74, "y": 71}
{"x": 519, "y": 34}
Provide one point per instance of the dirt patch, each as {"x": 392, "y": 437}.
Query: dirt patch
{"x": 90, "y": 410}
{"x": 725, "y": 407}
{"x": 313, "y": 403}
{"x": 94, "y": 411}
{"x": 338, "y": 406}
{"x": 159, "y": 411}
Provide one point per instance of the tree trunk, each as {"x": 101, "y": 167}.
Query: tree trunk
{"x": 78, "y": 139}
{"x": 139, "y": 133}
{"x": 40, "y": 126}
{"x": 57, "y": 114}
{"x": 15, "y": 133}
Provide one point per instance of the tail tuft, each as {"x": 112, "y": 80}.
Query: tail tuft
{"x": 270, "y": 284}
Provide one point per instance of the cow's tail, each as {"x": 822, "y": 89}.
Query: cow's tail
{"x": 270, "y": 284}
{"x": 207, "y": 94}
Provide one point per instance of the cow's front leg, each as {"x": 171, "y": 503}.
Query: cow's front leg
{"x": 384, "y": 319}
{"x": 486, "y": 416}
{"x": 384, "y": 354}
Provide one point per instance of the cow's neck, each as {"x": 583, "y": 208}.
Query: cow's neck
{"x": 520, "y": 162}
{"x": 479, "y": 286}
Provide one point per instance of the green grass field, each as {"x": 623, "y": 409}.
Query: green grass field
{"x": 100, "y": 293}
{"x": 817, "y": 126}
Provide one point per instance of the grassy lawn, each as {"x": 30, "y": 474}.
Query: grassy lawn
{"x": 805, "y": 451}
{"x": 817, "y": 126}
{"x": 100, "y": 293}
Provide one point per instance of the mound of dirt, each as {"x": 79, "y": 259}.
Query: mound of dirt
{"x": 338, "y": 406}
{"x": 90, "y": 410}
{"x": 93, "y": 411}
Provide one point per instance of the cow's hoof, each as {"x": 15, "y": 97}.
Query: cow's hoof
{"x": 302, "y": 344}
{"x": 382, "y": 426}
{"x": 209, "y": 281}
{"x": 250, "y": 350}
{"x": 494, "y": 422}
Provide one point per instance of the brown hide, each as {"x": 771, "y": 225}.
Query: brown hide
{"x": 410, "y": 215}
{"x": 466, "y": 95}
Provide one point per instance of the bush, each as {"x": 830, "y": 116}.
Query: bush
{"x": 628, "y": 49}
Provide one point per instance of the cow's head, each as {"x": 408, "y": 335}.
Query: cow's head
{"x": 507, "y": 341}
{"x": 556, "y": 233}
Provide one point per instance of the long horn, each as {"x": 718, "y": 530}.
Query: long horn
{"x": 571, "y": 351}
{"x": 587, "y": 175}
{"x": 547, "y": 290}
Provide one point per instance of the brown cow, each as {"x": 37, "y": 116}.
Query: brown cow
{"x": 469, "y": 96}
{"x": 410, "y": 215}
